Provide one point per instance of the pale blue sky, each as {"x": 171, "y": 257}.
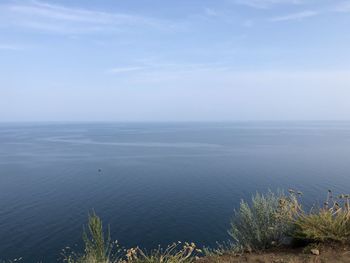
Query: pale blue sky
{"x": 183, "y": 60}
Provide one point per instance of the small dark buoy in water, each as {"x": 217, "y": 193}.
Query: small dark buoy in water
{"x": 99, "y": 170}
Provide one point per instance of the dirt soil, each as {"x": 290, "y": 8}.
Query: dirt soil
{"x": 326, "y": 255}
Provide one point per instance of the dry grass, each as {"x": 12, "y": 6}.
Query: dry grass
{"x": 175, "y": 253}
{"x": 100, "y": 249}
{"x": 331, "y": 223}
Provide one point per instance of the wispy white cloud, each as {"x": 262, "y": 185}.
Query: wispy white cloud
{"x": 155, "y": 69}
{"x": 10, "y": 47}
{"x": 248, "y": 23}
{"x": 343, "y": 7}
{"x": 295, "y": 16}
{"x": 119, "y": 70}
{"x": 263, "y": 4}
{"x": 62, "y": 19}
{"x": 210, "y": 12}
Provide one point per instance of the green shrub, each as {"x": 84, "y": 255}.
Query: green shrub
{"x": 264, "y": 223}
{"x": 327, "y": 224}
{"x": 98, "y": 247}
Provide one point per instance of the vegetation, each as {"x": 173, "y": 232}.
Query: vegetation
{"x": 100, "y": 249}
{"x": 172, "y": 254}
{"x": 331, "y": 223}
{"x": 266, "y": 224}
{"x": 274, "y": 219}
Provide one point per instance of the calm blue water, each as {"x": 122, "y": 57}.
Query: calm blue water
{"x": 159, "y": 182}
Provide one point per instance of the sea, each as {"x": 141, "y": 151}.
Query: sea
{"x": 154, "y": 183}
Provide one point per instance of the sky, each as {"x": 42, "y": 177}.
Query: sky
{"x": 183, "y": 60}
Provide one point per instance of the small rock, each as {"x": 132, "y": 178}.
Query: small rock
{"x": 315, "y": 251}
